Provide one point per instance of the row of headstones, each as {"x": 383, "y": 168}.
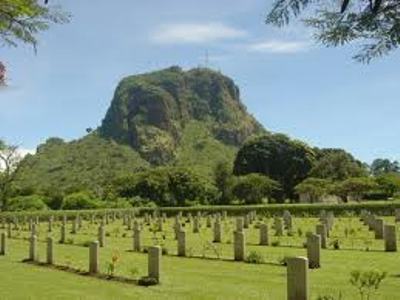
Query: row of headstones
{"x": 154, "y": 256}
{"x": 381, "y": 230}
{"x": 297, "y": 274}
{"x": 239, "y": 242}
{"x": 128, "y": 219}
{"x": 106, "y": 218}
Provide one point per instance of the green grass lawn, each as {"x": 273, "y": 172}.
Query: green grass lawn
{"x": 196, "y": 278}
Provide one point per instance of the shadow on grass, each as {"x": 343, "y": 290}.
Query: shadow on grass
{"x": 83, "y": 273}
{"x": 199, "y": 257}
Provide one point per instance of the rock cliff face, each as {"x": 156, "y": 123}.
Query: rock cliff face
{"x": 149, "y": 112}
{"x": 170, "y": 117}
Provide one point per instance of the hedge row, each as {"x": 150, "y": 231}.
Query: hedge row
{"x": 383, "y": 208}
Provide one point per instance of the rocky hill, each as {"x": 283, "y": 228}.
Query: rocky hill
{"x": 191, "y": 118}
{"x": 150, "y": 112}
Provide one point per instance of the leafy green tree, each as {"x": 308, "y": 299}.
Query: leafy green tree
{"x": 167, "y": 186}
{"x": 376, "y": 23}
{"x": 354, "y": 188}
{"x": 315, "y": 188}
{"x": 336, "y": 164}
{"x": 278, "y": 157}
{"x": 253, "y": 188}
{"x": 383, "y": 165}
{"x": 23, "y": 20}
{"x": 9, "y": 162}
{"x": 80, "y": 200}
{"x": 27, "y": 203}
{"x": 389, "y": 183}
{"x": 223, "y": 181}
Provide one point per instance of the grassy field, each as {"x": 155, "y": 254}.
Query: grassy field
{"x": 201, "y": 277}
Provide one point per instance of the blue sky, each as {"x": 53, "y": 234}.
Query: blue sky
{"x": 288, "y": 83}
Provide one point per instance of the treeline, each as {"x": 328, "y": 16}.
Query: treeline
{"x": 267, "y": 169}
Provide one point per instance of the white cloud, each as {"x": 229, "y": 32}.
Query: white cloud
{"x": 22, "y": 152}
{"x": 276, "y": 46}
{"x": 192, "y": 33}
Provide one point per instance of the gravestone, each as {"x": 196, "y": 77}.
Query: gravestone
{"x": 94, "y": 257}
{"x": 278, "y": 227}
{"x": 239, "y": 246}
{"x": 379, "y": 229}
{"x": 154, "y": 262}
{"x": 102, "y": 236}
{"x": 297, "y": 278}
{"x": 321, "y": 231}
{"x": 63, "y": 234}
{"x": 3, "y": 249}
{"x": 390, "y": 238}
{"x": 264, "y": 240}
{"x": 137, "y": 245}
{"x": 181, "y": 243}
{"x": 33, "y": 248}
{"x": 239, "y": 224}
{"x": 314, "y": 251}
{"x": 217, "y": 232}
{"x": 50, "y": 251}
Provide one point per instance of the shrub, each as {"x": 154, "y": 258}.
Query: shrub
{"x": 252, "y": 188}
{"x": 117, "y": 203}
{"x": 112, "y": 264}
{"x": 366, "y": 282}
{"x": 167, "y": 186}
{"x": 26, "y": 203}
{"x": 314, "y": 188}
{"x": 80, "y": 200}
{"x": 255, "y": 257}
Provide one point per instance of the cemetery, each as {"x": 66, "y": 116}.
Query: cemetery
{"x": 254, "y": 255}
{"x": 199, "y": 150}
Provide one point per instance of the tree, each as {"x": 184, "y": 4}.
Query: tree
{"x": 253, "y": 188}
{"x": 22, "y": 20}
{"x": 166, "y": 186}
{"x": 381, "y": 166}
{"x": 314, "y": 188}
{"x": 389, "y": 183}
{"x": 376, "y": 23}
{"x": 336, "y": 164}
{"x": 278, "y": 157}
{"x": 354, "y": 188}
{"x": 9, "y": 161}
{"x": 223, "y": 181}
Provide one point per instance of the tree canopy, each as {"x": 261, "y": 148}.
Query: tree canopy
{"x": 374, "y": 23}
{"x": 253, "y": 188}
{"x": 383, "y": 165}
{"x": 22, "y": 20}
{"x": 9, "y": 161}
{"x": 336, "y": 164}
{"x": 278, "y": 157}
